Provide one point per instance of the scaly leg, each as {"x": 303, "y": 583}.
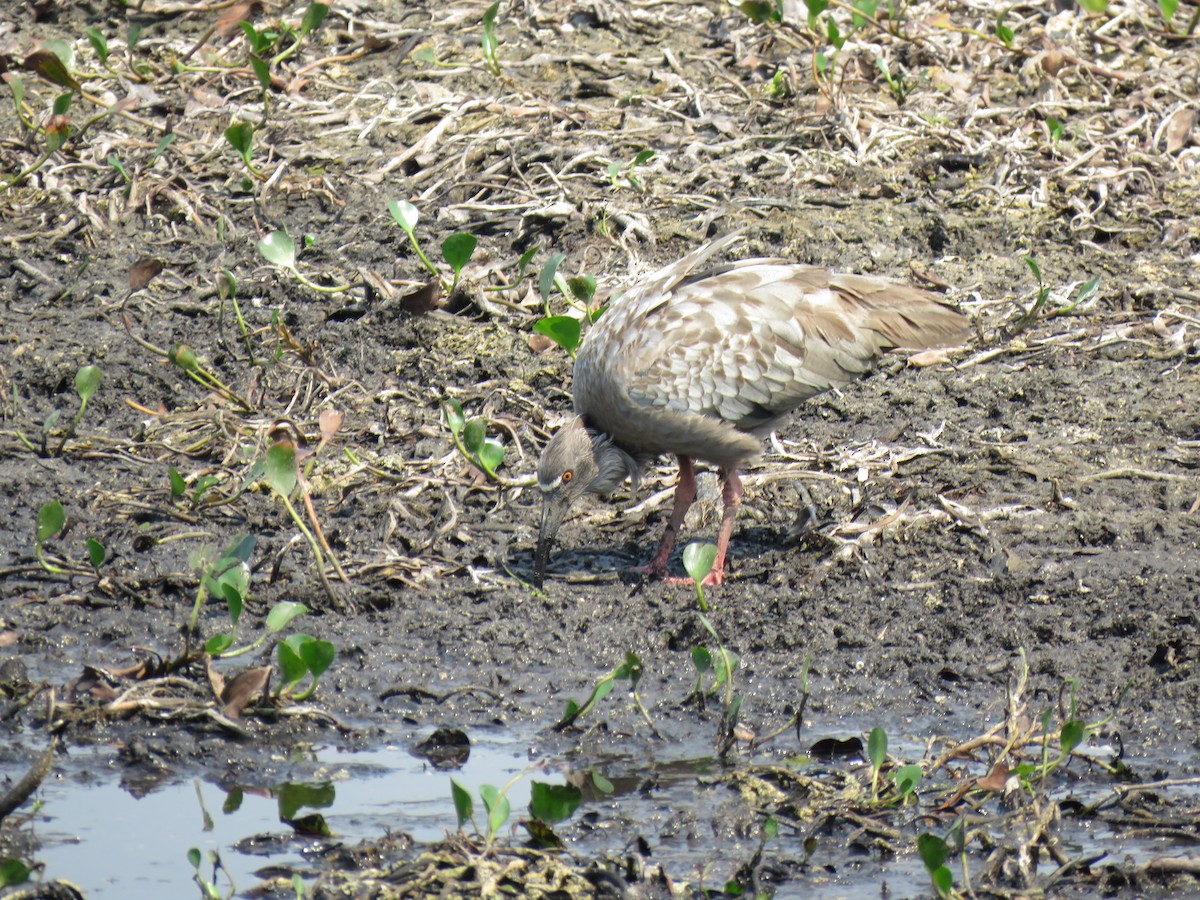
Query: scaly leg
{"x": 685, "y": 493}
{"x": 731, "y": 494}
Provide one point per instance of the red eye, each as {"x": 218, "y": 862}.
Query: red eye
{"x": 567, "y": 476}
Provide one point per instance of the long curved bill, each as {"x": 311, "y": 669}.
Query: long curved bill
{"x": 553, "y": 511}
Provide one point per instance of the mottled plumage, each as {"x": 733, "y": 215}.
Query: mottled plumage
{"x": 701, "y": 364}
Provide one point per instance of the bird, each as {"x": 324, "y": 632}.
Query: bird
{"x": 703, "y": 362}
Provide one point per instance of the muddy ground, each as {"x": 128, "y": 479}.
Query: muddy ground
{"x": 1033, "y": 495}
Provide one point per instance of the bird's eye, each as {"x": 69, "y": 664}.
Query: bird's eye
{"x": 567, "y": 476}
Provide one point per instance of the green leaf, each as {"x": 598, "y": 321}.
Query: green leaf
{"x": 877, "y": 744}
{"x": 164, "y": 142}
{"x": 458, "y": 249}
{"x": 193, "y": 856}
{"x": 279, "y": 249}
{"x": 178, "y": 485}
{"x": 241, "y": 138}
{"x": 405, "y": 214}
{"x": 583, "y": 288}
{"x": 602, "y": 784}
{"x": 51, "y": 519}
{"x": 497, "y": 806}
{"x": 99, "y": 43}
{"x": 526, "y": 258}
{"x": 282, "y": 613}
{"x": 698, "y": 559}
{"x": 563, "y": 330}
{"x": 1071, "y": 735}
{"x": 262, "y": 72}
{"x": 313, "y": 17}
{"x": 290, "y": 663}
{"x": 1087, "y": 290}
{"x": 96, "y": 552}
{"x": 488, "y": 40}
{"x": 906, "y": 779}
{"x": 473, "y": 435}
{"x": 815, "y": 8}
{"x": 1094, "y": 6}
{"x": 834, "y": 34}
{"x": 452, "y": 411}
{"x": 203, "y": 483}
{"x": 1003, "y": 32}
{"x": 770, "y": 827}
{"x": 701, "y": 658}
{"x": 759, "y": 11}
{"x": 932, "y": 850}
{"x": 218, "y": 644}
{"x": 1167, "y": 8}
{"x": 318, "y": 655}
{"x": 1033, "y": 267}
{"x": 87, "y": 380}
{"x": 464, "y": 808}
{"x": 943, "y": 881}
{"x": 491, "y": 454}
{"x": 1055, "y": 127}
{"x": 546, "y": 277}
{"x": 553, "y": 802}
{"x": 280, "y": 468}
{"x": 234, "y": 590}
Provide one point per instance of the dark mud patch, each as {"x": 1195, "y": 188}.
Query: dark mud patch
{"x": 1023, "y": 513}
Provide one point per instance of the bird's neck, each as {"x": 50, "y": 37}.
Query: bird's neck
{"x": 613, "y": 464}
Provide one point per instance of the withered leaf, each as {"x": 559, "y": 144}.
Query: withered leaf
{"x": 142, "y": 272}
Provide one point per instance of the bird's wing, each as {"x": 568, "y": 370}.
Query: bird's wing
{"x": 751, "y": 341}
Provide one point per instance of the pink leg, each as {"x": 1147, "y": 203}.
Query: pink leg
{"x": 685, "y": 493}
{"x": 731, "y": 494}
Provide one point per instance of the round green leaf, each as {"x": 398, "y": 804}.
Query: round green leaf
{"x": 464, "y": 807}
{"x": 281, "y": 468}
{"x": 877, "y": 744}
{"x": 563, "y": 330}
{"x": 283, "y": 612}
{"x": 452, "y": 410}
{"x": 698, "y": 560}
{"x": 87, "y": 380}
{"x": 279, "y": 249}
{"x": 96, "y": 552}
{"x": 553, "y": 802}
{"x": 405, "y": 214}
{"x": 290, "y": 663}
{"x": 491, "y": 454}
{"x": 51, "y": 519}
{"x": 458, "y": 249}
{"x": 317, "y": 655}
{"x": 473, "y": 435}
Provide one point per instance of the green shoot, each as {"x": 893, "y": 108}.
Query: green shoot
{"x": 471, "y": 440}
{"x": 282, "y": 475}
{"x": 489, "y": 38}
{"x": 300, "y": 655}
{"x": 457, "y": 251}
{"x": 240, "y": 136}
{"x": 630, "y": 669}
{"x": 934, "y": 852}
{"x": 1003, "y": 33}
{"x": 185, "y": 358}
{"x": 698, "y": 561}
{"x": 628, "y": 171}
{"x": 313, "y": 17}
{"x": 877, "y": 744}
{"x": 13, "y": 871}
{"x": 208, "y": 886}
{"x": 760, "y": 11}
{"x": 279, "y": 249}
{"x": 563, "y": 330}
{"x": 51, "y": 520}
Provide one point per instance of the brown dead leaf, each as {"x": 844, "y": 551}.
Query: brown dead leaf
{"x": 47, "y": 64}
{"x": 1179, "y": 128}
{"x": 539, "y": 343}
{"x": 234, "y": 16}
{"x": 995, "y": 780}
{"x": 142, "y": 272}
{"x": 330, "y": 421}
{"x": 424, "y": 299}
{"x": 243, "y": 688}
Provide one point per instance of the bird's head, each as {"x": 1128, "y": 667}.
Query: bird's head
{"x": 577, "y": 460}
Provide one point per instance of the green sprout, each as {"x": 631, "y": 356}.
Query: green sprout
{"x": 185, "y": 358}
{"x": 300, "y": 655}
{"x": 566, "y": 330}
{"x": 87, "y": 382}
{"x": 631, "y": 670}
{"x": 279, "y": 249}
{"x": 934, "y": 851}
{"x": 471, "y": 440}
{"x": 616, "y": 170}
{"x": 313, "y": 17}
{"x": 51, "y": 520}
{"x": 489, "y": 38}
{"x": 240, "y": 136}
{"x": 457, "y": 249}
{"x": 208, "y": 886}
